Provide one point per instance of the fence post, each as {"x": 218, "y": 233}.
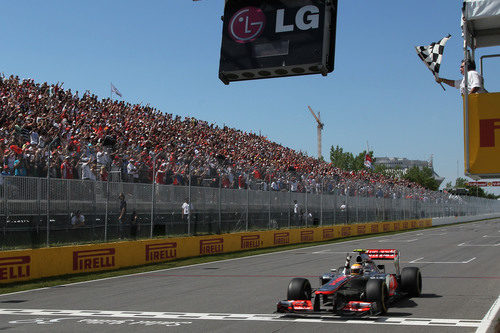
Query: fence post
{"x": 106, "y": 209}
{"x": 220, "y": 204}
{"x": 189, "y": 203}
{"x": 269, "y": 210}
{"x": 321, "y": 202}
{"x": 357, "y": 204}
{"x": 48, "y": 204}
{"x": 288, "y": 206}
{"x": 248, "y": 205}
{"x": 153, "y": 188}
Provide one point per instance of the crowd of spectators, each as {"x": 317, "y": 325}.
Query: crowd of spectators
{"x": 46, "y": 128}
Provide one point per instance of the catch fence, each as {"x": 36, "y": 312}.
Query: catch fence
{"x": 33, "y": 214}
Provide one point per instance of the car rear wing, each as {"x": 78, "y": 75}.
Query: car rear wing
{"x": 383, "y": 254}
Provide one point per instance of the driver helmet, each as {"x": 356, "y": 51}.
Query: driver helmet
{"x": 356, "y": 269}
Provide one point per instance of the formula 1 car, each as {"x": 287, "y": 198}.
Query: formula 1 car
{"x": 361, "y": 289}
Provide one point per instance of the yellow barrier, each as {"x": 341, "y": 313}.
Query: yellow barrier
{"x": 484, "y": 139}
{"x": 23, "y": 265}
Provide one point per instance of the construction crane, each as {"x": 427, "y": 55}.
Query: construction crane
{"x": 320, "y": 128}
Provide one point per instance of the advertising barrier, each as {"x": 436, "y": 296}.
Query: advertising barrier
{"x": 23, "y": 265}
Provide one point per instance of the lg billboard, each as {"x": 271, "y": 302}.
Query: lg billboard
{"x": 276, "y": 38}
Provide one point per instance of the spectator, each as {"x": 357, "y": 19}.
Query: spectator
{"x": 186, "y": 211}
{"x": 66, "y": 169}
{"x": 123, "y": 213}
{"x": 77, "y": 219}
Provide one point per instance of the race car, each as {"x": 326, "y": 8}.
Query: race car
{"x": 362, "y": 288}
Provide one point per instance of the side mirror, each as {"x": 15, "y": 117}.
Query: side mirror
{"x": 381, "y": 267}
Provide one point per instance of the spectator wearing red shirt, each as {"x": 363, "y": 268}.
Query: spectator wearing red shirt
{"x": 66, "y": 169}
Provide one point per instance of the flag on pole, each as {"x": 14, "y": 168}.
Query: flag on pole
{"x": 432, "y": 55}
{"x": 368, "y": 161}
{"x": 116, "y": 91}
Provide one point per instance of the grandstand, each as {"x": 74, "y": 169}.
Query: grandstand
{"x": 89, "y": 150}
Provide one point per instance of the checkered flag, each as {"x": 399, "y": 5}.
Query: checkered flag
{"x": 431, "y": 55}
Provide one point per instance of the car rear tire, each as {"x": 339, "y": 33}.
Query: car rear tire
{"x": 299, "y": 289}
{"x": 411, "y": 281}
{"x": 376, "y": 291}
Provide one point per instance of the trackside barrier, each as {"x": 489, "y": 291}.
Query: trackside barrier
{"x": 23, "y": 265}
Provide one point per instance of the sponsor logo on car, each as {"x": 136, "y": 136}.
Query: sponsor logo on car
{"x": 161, "y": 251}
{"x": 93, "y": 259}
{"x": 12, "y": 268}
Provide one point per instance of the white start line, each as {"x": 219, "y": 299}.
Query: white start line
{"x": 174, "y": 318}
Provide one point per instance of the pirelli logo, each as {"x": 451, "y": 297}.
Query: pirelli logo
{"x": 405, "y": 225}
{"x": 386, "y": 226}
{"x": 281, "y": 238}
{"x": 161, "y": 251}
{"x": 12, "y": 268}
{"x": 396, "y": 226}
{"x": 374, "y": 229}
{"x": 413, "y": 224}
{"x": 93, "y": 259}
{"x": 361, "y": 229}
{"x": 345, "y": 231}
{"x": 307, "y": 236}
{"x": 328, "y": 233}
{"x": 251, "y": 242}
{"x": 212, "y": 246}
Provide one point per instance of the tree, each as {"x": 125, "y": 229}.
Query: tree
{"x": 340, "y": 159}
{"x": 423, "y": 177}
{"x": 346, "y": 160}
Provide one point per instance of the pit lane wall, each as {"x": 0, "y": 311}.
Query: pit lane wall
{"x": 23, "y": 265}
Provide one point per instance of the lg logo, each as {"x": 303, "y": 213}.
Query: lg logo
{"x": 248, "y": 23}
{"x": 307, "y": 18}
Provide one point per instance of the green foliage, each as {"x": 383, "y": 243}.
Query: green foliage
{"x": 346, "y": 160}
{"x": 423, "y": 176}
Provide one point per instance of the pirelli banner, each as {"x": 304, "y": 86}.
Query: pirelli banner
{"x": 482, "y": 135}
{"x": 23, "y": 265}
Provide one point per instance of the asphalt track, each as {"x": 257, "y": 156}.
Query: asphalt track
{"x": 461, "y": 284}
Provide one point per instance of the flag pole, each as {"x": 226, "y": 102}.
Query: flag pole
{"x": 436, "y": 77}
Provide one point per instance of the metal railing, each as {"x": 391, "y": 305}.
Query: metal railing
{"x": 34, "y": 215}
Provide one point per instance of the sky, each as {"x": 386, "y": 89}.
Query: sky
{"x": 166, "y": 54}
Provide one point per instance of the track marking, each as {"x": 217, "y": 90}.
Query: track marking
{"x": 330, "y": 252}
{"x": 397, "y": 241}
{"x": 489, "y": 317}
{"x": 434, "y": 234}
{"x": 417, "y": 261}
{"x": 244, "y": 317}
{"x": 487, "y": 245}
{"x": 489, "y": 236}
